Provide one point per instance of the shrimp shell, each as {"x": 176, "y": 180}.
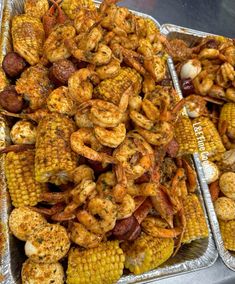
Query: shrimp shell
{"x": 111, "y": 137}
{"x": 126, "y": 208}
{"x": 54, "y": 46}
{"x": 84, "y": 136}
{"x": 82, "y": 237}
{"x": 105, "y": 209}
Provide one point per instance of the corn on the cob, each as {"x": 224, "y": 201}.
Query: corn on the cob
{"x": 147, "y": 253}
{"x": 54, "y": 157}
{"x": 185, "y": 136}
{"x": 28, "y": 37}
{"x": 34, "y": 85}
{"x": 72, "y": 7}
{"x": 103, "y": 264}
{"x": 36, "y": 8}
{"x": 227, "y": 114}
{"x": 227, "y": 229}
{"x": 196, "y": 227}
{"x": 24, "y": 189}
{"x": 208, "y": 138}
{"x": 112, "y": 89}
{"x": 151, "y": 30}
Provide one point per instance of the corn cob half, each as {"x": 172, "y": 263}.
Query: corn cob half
{"x": 54, "y": 157}
{"x": 147, "y": 253}
{"x": 208, "y": 138}
{"x": 103, "y": 264}
{"x": 227, "y": 114}
{"x": 185, "y": 136}
{"x": 112, "y": 89}
{"x": 196, "y": 227}
{"x": 28, "y": 37}
{"x": 72, "y": 7}
{"x": 227, "y": 229}
{"x": 24, "y": 189}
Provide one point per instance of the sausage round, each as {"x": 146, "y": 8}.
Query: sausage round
{"x": 10, "y": 100}
{"x": 60, "y": 71}
{"x": 13, "y": 64}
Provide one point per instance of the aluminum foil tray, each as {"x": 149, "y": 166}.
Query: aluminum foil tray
{"x": 191, "y": 37}
{"x": 194, "y": 256}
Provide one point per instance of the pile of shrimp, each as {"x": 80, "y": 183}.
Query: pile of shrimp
{"x": 128, "y": 166}
{"x": 208, "y": 69}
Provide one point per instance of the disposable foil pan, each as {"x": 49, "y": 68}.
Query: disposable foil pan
{"x": 191, "y": 37}
{"x": 194, "y": 256}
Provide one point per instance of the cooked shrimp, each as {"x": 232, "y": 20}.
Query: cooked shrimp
{"x": 60, "y": 101}
{"x": 126, "y": 208}
{"x": 82, "y": 237}
{"x": 83, "y": 137}
{"x": 102, "y": 113}
{"x": 157, "y": 227}
{"x": 111, "y": 137}
{"x": 202, "y": 83}
{"x": 134, "y": 155}
{"x": 106, "y": 4}
{"x": 140, "y": 120}
{"x": 82, "y": 172}
{"x": 120, "y": 189}
{"x": 151, "y": 111}
{"x": 123, "y": 19}
{"x": 54, "y": 46}
{"x": 85, "y": 188}
{"x": 110, "y": 70}
{"x": 106, "y": 211}
{"x": 159, "y": 135}
{"x": 148, "y": 84}
{"x": 80, "y": 88}
{"x": 89, "y": 41}
{"x": 82, "y": 120}
{"x": 85, "y": 20}
{"x": 156, "y": 66}
{"x": 101, "y": 56}
{"x": 80, "y": 194}
{"x": 105, "y": 183}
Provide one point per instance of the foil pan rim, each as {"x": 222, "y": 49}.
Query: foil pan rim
{"x": 207, "y": 259}
{"x": 227, "y": 257}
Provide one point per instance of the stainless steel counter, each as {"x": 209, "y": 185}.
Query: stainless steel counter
{"x": 214, "y": 16}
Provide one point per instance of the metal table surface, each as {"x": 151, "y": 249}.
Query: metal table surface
{"x": 214, "y": 16}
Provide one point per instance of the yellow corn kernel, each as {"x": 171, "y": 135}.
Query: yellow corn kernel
{"x": 103, "y": 264}
{"x": 24, "y": 189}
{"x": 227, "y": 114}
{"x": 208, "y": 138}
{"x": 54, "y": 157}
{"x": 227, "y": 229}
{"x": 196, "y": 226}
{"x": 35, "y": 8}
{"x": 112, "y": 89}
{"x": 185, "y": 136}
{"x": 28, "y": 37}
{"x": 72, "y": 7}
{"x": 147, "y": 253}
